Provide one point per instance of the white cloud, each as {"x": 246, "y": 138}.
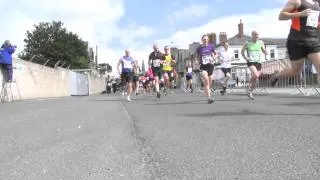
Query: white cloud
{"x": 94, "y": 21}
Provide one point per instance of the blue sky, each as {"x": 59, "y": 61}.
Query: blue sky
{"x": 137, "y": 24}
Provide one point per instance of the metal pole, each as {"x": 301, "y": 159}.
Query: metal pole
{"x": 96, "y": 57}
{"x": 46, "y": 62}
{"x": 32, "y": 57}
{"x": 304, "y": 75}
{"x": 57, "y": 63}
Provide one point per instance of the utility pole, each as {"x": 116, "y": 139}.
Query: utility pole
{"x": 96, "y": 57}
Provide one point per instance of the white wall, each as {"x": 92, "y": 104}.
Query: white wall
{"x": 34, "y": 81}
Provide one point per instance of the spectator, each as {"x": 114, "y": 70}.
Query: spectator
{"x": 6, "y": 52}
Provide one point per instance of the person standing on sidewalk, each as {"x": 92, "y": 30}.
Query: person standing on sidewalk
{"x": 303, "y": 40}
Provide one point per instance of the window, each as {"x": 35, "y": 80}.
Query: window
{"x": 236, "y": 54}
{"x": 272, "y": 54}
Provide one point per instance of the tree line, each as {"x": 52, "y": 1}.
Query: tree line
{"x": 51, "y": 40}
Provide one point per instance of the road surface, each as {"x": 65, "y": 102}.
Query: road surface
{"x": 177, "y": 137}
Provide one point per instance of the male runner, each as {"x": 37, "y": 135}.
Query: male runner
{"x": 303, "y": 40}
{"x": 189, "y": 77}
{"x": 155, "y": 62}
{"x": 206, "y": 56}
{"x": 168, "y": 60}
{"x": 225, "y": 60}
{"x": 126, "y": 75}
{"x": 136, "y": 76}
{"x": 254, "y": 49}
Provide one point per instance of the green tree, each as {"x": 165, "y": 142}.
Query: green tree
{"x": 54, "y": 42}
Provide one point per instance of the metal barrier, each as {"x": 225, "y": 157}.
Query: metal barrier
{"x": 303, "y": 84}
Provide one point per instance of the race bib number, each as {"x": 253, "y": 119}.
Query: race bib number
{"x": 207, "y": 59}
{"x": 312, "y": 20}
{"x": 166, "y": 63}
{"x": 255, "y": 56}
{"x": 226, "y": 63}
{"x": 189, "y": 70}
{"x": 156, "y": 63}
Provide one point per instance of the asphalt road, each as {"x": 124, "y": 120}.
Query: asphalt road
{"x": 177, "y": 137}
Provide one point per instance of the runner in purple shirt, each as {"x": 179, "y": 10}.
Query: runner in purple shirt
{"x": 206, "y": 56}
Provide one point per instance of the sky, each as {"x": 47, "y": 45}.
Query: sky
{"x": 116, "y": 25}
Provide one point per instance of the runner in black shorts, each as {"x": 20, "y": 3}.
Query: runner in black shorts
{"x": 303, "y": 40}
{"x": 155, "y": 61}
{"x": 224, "y": 56}
{"x": 252, "y": 53}
{"x": 189, "y": 77}
{"x": 206, "y": 56}
{"x": 126, "y": 75}
{"x": 136, "y": 79}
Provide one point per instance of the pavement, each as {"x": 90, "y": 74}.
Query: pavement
{"x": 178, "y": 137}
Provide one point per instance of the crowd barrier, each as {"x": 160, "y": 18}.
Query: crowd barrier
{"x": 304, "y": 84}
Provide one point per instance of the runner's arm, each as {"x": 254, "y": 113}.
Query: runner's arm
{"x": 173, "y": 59}
{"x": 243, "y": 50}
{"x": 118, "y": 66}
{"x": 288, "y": 11}
{"x": 263, "y": 48}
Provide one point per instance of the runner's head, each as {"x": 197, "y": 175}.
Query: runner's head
{"x": 155, "y": 47}
{"x": 167, "y": 49}
{"x": 225, "y": 45}
{"x": 205, "y": 39}
{"x": 127, "y": 52}
{"x": 255, "y": 35}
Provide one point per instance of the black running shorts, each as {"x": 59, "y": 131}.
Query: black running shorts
{"x": 298, "y": 49}
{"x": 207, "y": 67}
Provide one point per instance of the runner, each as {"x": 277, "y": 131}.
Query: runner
{"x": 168, "y": 60}
{"x": 136, "y": 79}
{"x": 126, "y": 74}
{"x": 254, "y": 50}
{"x": 155, "y": 62}
{"x": 189, "y": 77}
{"x": 303, "y": 41}
{"x": 206, "y": 56}
{"x": 150, "y": 81}
{"x": 225, "y": 60}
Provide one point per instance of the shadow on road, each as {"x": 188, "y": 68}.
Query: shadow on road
{"x": 301, "y": 104}
{"x": 244, "y": 113}
{"x": 192, "y": 102}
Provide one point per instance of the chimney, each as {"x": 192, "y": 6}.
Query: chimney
{"x": 223, "y": 37}
{"x": 212, "y": 38}
{"x": 240, "y": 28}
